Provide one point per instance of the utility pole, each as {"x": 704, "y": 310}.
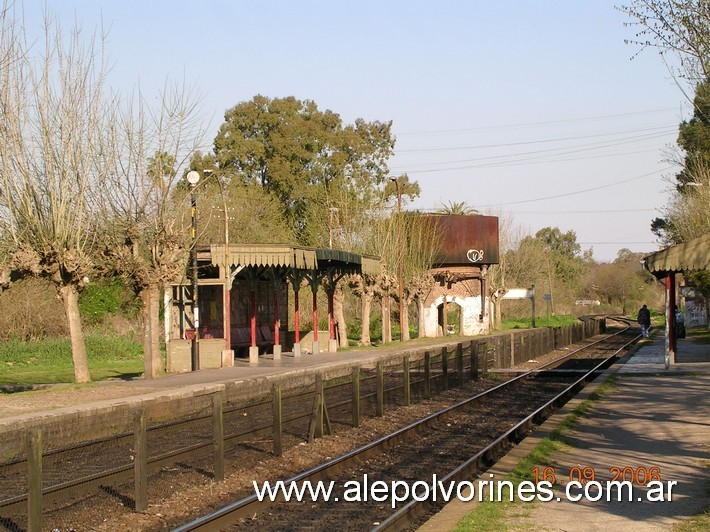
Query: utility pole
{"x": 399, "y": 256}
{"x": 193, "y": 178}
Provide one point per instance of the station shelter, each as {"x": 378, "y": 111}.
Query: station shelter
{"x": 254, "y": 282}
{"x": 469, "y": 247}
{"x": 665, "y": 264}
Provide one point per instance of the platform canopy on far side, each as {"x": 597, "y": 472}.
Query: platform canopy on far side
{"x": 688, "y": 256}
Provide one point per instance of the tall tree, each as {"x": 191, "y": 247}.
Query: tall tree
{"x": 145, "y": 237}
{"x": 253, "y": 213}
{"x": 685, "y": 216}
{"x": 308, "y": 159}
{"x": 421, "y": 243}
{"x": 55, "y": 154}
{"x": 682, "y": 27}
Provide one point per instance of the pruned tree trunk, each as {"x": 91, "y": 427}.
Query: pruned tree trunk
{"x": 147, "y": 334}
{"x": 386, "y": 320}
{"x": 152, "y": 360}
{"x": 155, "y": 330}
{"x": 404, "y": 322}
{"x": 421, "y": 325}
{"x": 339, "y": 316}
{"x": 366, "y": 300}
{"x": 70, "y": 298}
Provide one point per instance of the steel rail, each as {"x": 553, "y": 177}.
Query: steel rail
{"x": 250, "y": 505}
{"x": 475, "y": 465}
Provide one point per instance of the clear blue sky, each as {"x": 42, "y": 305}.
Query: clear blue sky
{"x": 497, "y": 104}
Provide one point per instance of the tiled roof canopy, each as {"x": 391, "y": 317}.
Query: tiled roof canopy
{"x": 299, "y": 257}
{"x": 691, "y": 255}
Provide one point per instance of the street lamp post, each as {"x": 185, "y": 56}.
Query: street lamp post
{"x": 193, "y": 178}
{"x": 399, "y": 255}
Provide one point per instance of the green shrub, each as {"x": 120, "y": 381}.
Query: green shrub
{"x": 106, "y": 297}
{"x": 354, "y": 329}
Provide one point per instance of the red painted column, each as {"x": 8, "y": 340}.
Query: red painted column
{"x": 252, "y": 317}
{"x": 296, "y": 316}
{"x": 277, "y": 322}
{"x": 671, "y": 314}
{"x": 227, "y": 316}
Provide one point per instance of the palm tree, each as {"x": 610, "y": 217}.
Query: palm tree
{"x": 456, "y": 207}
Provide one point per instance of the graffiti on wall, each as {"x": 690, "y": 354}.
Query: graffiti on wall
{"x": 695, "y": 307}
{"x": 475, "y": 255}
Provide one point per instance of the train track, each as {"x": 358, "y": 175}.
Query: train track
{"x": 456, "y": 443}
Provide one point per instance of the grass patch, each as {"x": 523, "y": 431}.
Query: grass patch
{"x": 490, "y": 515}
{"x": 699, "y": 335}
{"x": 699, "y": 523}
{"x": 49, "y": 361}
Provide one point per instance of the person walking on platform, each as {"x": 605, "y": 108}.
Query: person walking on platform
{"x": 644, "y": 319}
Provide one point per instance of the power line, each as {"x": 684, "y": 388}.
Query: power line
{"x": 535, "y": 124}
{"x": 664, "y": 129}
{"x": 515, "y": 160}
{"x": 615, "y": 243}
{"x": 578, "y": 191}
{"x": 600, "y": 211}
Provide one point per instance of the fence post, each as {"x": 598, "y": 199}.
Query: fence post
{"x": 380, "y": 389}
{"x": 277, "y": 416}
{"x": 512, "y": 350}
{"x": 474, "y": 361}
{"x": 459, "y": 363}
{"x": 405, "y": 381}
{"x": 356, "y": 396}
{"x": 444, "y": 369}
{"x": 34, "y": 480}
{"x": 320, "y": 396}
{"x": 140, "y": 463}
{"x": 498, "y": 351}
{"x": 218, "y": 435}
{"x": 427, "y": 375}
{"x": 484, "y": 367}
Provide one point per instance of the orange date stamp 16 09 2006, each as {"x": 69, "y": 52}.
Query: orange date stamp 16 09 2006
{"x": 640, "y": 476}
{"x": 618, "y": 485}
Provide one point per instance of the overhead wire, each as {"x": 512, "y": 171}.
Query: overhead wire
{"x": 535, "y": 124}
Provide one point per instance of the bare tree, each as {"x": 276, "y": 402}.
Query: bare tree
{"x": 363, "y": 286}
{"x": 146, "y": 240}
{"x": 421, "y": 242}
{"x": 687, "y": 212}
{"x": 681, "y": 27}
{"x": 55, "y": 125}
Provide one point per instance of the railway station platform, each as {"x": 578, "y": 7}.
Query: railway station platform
{"x": 652, "y": 417}
{"x": 56, "y": 400}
